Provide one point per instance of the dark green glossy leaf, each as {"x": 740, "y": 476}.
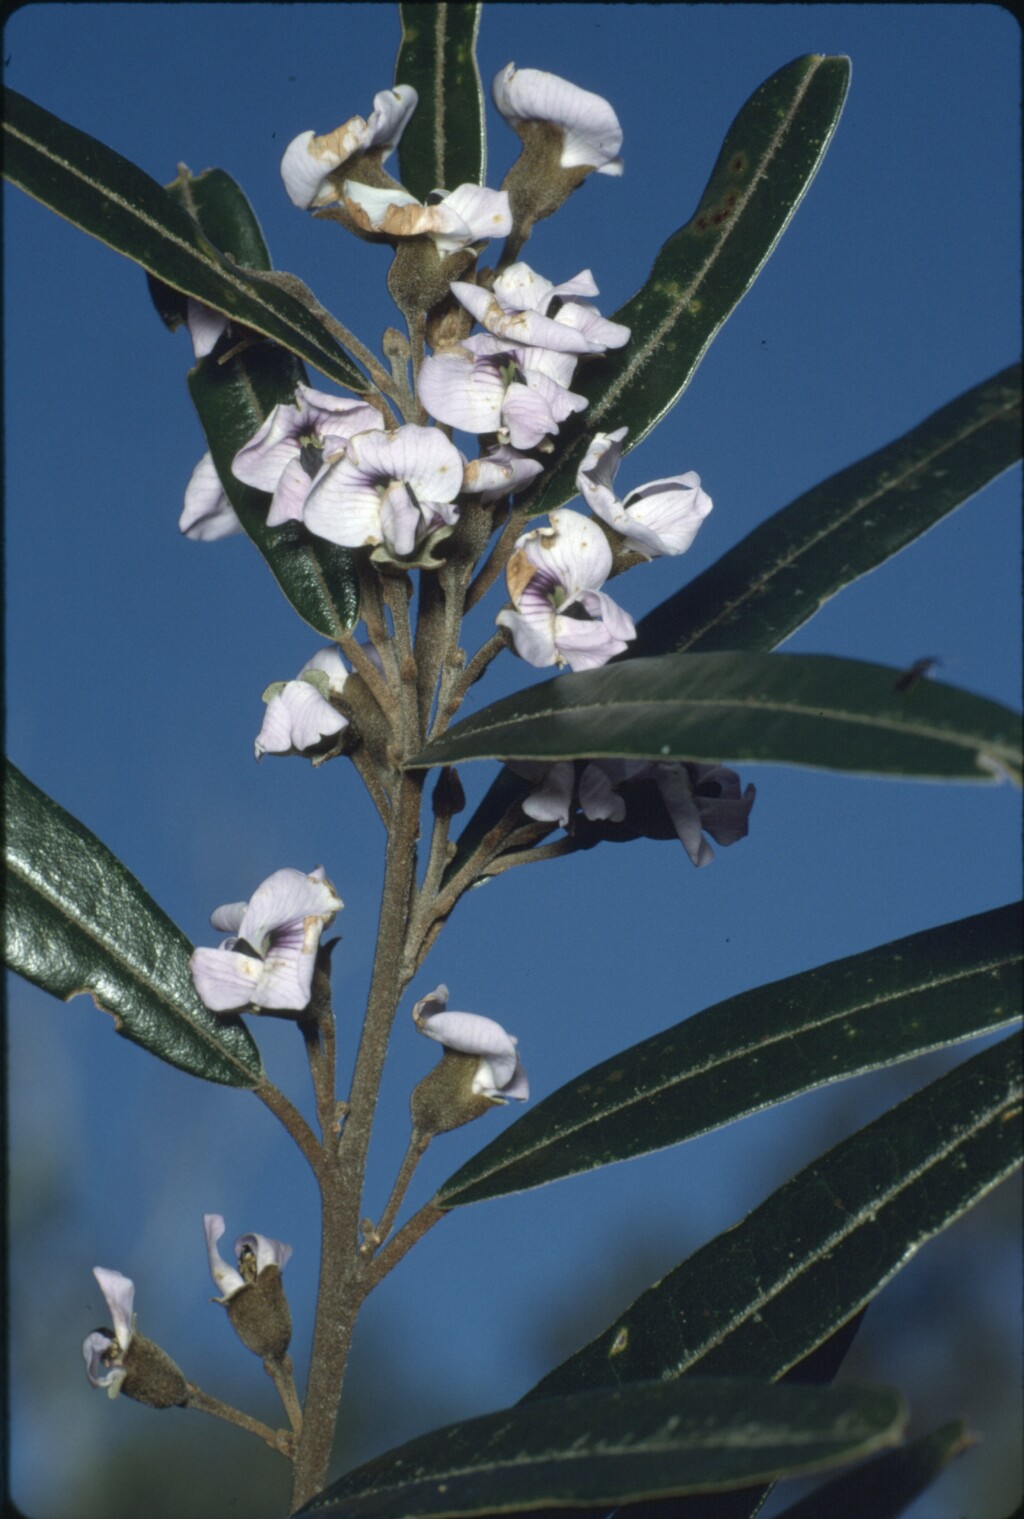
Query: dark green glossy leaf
{"x": 769, "y": 157}
{"x": 319, "y": 578}
{"x": 693, "y": 1436}
{"x": 117, "y": 202}
{"x": 761, "y": 1295}
{"x": 886, "y": 1485}
{"x": 77, "y": 921}
{"x": 759, "y": 1048}
{"x": 444, "y": 144}
{"x": 797, "y": 709}
{"x": 783, "y": 572}
{"x": 220, "y": 208}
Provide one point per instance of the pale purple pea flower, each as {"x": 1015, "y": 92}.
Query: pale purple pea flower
{"x": 698, "y": 799}
{"x": 288, "y": 450}
{"x": 207, "y": 514}
{"x": 517, "y": 310}
{"x": 469, "y": 214}
{"x": 662, "y": 517}
{"x": 490, "y": 392}
{"x": 591, "y": 134}
{"x": 253, "y": 1252}
{"x": 314, "y": 168}
{"x": 554, "y": 570}
{"x": 390, "y": 488}
{"x": 104, "y": 1356}
{"x": 499, "y": 1075}
{"x": 269, "y": 959}
{"x": 299, "y": 712}
{"x": 502, "y": 471}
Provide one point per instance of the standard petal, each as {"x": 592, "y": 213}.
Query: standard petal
{"x": 226, "y": 1278}
{"x": 471, "y": 1034}
{"x": 592, "y": 135}
{"x": 287, "y": 899}
{"x": 119, "y": 1292}
{"x": 573, "y": 549}
{"x": 268, "y": 1252}
{"x": 343, "y": 506}
{"x": 208, "y": 514}
{"x": 462, "y": 392}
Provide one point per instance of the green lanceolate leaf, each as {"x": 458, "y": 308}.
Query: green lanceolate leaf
{"x": 77, "y": 921}
{"x": 885, "y": 1486}
{"x": 319, "y": 578}
{"x": 770, "y": 155}
{"x": 797, "y": 709}
{"x": 756, "y": 1299}
{"x": 221, "y": 210}
{"x": 783, "y": 572}
{"x": 611, "y": 1447}
{"x": 117, "y": 202}
{"x": 762, "y": 1047}
{"x": 444, "y": 144}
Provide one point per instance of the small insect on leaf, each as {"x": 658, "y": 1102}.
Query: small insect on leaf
{"x": 908, "y": 678}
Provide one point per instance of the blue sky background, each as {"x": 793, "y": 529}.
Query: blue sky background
{"x": 135, "y": 663}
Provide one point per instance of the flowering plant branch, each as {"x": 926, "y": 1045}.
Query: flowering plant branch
{"x": 448, "y": 464}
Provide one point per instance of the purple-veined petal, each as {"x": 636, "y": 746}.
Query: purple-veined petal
{"x": 225, "y": 979}
{"x": 286, "y": 901}
{"x": 533, "y": 637}
{"x": 573, "y": 550}
{"x": 119, "y": 1292}
{"x": 399, "y": 519}
{"x": 343, "y": 506}
{"x": 592, "y": 135}
{"x": 462, "y": 392}
{"x": 228, "y": 919}
{"x": 666, "y": 513}
{"x": 471, "y": 1034}
{"x": 485, "y": 213}
{"x": 501, "y": 472}
{"x": 268, "y": 1252}
{"x": 208, "y": 514}
{"x": 297, "y": 718}
{"x": 227, "y": 1279}
{"x": 585, "y": 645}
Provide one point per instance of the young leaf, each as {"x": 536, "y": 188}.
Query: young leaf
{"x": 444, "y": 144}
{"x": 614, "y": 1446}
{"x": 115, "y": 201}
{"x": 886, "y": 1485}
{"x": 854, "y": 1015}
{"x": 757, "y": 1298}
{"x": 77, "y": 921}
{"x": 798, "y": 709}
{"x": 782, "y": 573}
{"x": 770, "y": 155}
{"x": 319, "y": 578}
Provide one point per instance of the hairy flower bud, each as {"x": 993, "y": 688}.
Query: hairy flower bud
{"x": 445, "y": 1098}
{"x": 151, "y": 1376}
{"x": 260, "y": 1315}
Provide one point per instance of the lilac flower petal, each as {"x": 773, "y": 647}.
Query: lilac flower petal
{"x": 533, "y": 637}
{"x": 434, "y": 1002}
{"x": 228, "y": 919}
{"x": 597, "y": 331}
{"x": 674, "y": 784}
{"x": 484, "y": 213}
{"x": 310, "y": 164}
{"x": 287, "y": 899}
{"x": 501, "y": 472}
{"x": 585, "y": 645}
{"x": 597, "y": 798}
{"x": 399, "y": 519}
{"x": 329, "y": 661}
{"x": 119, "y": 1292}
{"x": 551, "y": 802}
{"x": 227, "y": 1279}
{"x": 471, "y": 1034}
{"x": 289, "y": 494}
{"x": 268, "y": 1252}
{"x": 592, "y": 135}
{"x": 208, "y": 514}
{"x": 205, "y": 326}
{"x": 94, "y": 1348}
{"x": 517, "y": 1088}
{"x": 573, "y": 549}
{"x": 225, "y": 979}
{"x": 343, "y": 506}
{"x": 667, "y": 512}
{"x": 463, "y": 393}
{"x": 298, "y": 718}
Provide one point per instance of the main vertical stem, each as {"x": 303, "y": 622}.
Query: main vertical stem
{"x": 343, "y": 1270}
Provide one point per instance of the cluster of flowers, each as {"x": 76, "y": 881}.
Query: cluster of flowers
{"x": 327, "y": 462}
{"x": 119, "y": 1359}
{"x": 267, "y": 962}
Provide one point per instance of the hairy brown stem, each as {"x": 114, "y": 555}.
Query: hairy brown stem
{"x": 280, "y": 1373}
{"x": 288, "y": 1114}
{"x": 278, "y": 1439}
{"x": 409, "y": 1235}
